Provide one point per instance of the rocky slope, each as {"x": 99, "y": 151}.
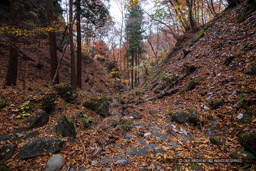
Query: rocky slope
{"x": 199, "y": 106}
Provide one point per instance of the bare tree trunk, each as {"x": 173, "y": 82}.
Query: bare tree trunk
{"x": 190, "y": 14}
{"x": 210, "y": 9}
{"x": 73, "y": 67}
{"x": 52, "y": 40}
{"x": 136, "y": 57}
{"x": 132, "y": 68}
{"x": 79, "y": 47}
{"x": 213, "y": 9}
{"x": 202, "y": 13}
{"x": 12, "y": 70}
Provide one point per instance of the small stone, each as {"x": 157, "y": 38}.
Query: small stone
{"x": 152, "y": 112}
{"x": 107, "y": 169}
{"x": 55, "y": 163}
{"x": 106, "y": 160}
{"x": 162, "y": 137}
{"x": 83, "y": 169}
{"x": 152, "y": 166}
{"x": 94, "y": 162}
{"x": 158, "y": 150}
{"x": 128, "y": 136}
{"x": 122, "y": 162}
{"x": 147, "y": 134}
{"x": 174, "y": 144}
{"x": 19, "y": 135}
{"x": 143, "y": 142}
{"x": 137, "y": 116}
{"x": 152, "y": 145}
{"x": 4, "y": 137}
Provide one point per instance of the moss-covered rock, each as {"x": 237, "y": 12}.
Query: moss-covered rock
{"x": 65, "y": 92}
{"x": 2, "y": 105}
{"x": 65, "y": 127}
{"x": 249, "y": 8}
{"x": 215, "y": 141}
{"x": 252, "y": 70}
{"x": 48, "y": 102}
{"x": 99, "y": 106}
{"x": 125, "y": 123}
{"x": 191, "y": 85}
{"x": 193, "y": 117}
{"x": 4, "y": 168}
{"x": 247, "y": 118}
{"x": 214, "y": 104}
{"x": 248, "y": 142}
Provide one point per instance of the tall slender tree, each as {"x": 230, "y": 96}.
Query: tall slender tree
{"x": 52, "y": 40}
{"x": 134, "y": 35}
{"x": 72, "y": 55}
{"x": 11, "y": 76}
{"x": 79, "y": 53}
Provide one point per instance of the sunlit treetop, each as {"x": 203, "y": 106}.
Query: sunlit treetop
{"x": 132, "y": 3}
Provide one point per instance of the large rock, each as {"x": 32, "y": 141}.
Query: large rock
{"x": 36, "y": 147}
{"x": 55, "y": 163}
{"x": 192, "y": 117}
{"x": 180, "y": 117}
{"x": 99, "y": 106}
{"x": 7, "y": 151}
{"x": 65, "y": 127}
{"x": 248, "y": 142}
{"x": 48, "y": 102}
{"x": 39, "y": 120}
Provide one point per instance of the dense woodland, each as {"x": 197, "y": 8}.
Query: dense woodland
{"x": 163, "y": 85}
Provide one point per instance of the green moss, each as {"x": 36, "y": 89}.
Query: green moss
{"x": 177, "y": 168}
{"x": 197, "y": 167}
{"x": 153, "y": 75}
{"x": 125, "y": 123}
{"x": 165, "y": 77}
{"x": 48, "y": 102}
{"x": 3, "y": 168}
{"x": 247, "y": 10}
{"x": 92, "y": 104}
{"x": 214, "y": 104}
{"x": 87, "y": 122}
{"x": 201, "y": 34}
{"x": 65, "y": 92}
{"x": 247, "y": 119}
{"x": 191, "y": 85}
{"x": 215, "y": 141}
{"x": 241, "y": 133}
